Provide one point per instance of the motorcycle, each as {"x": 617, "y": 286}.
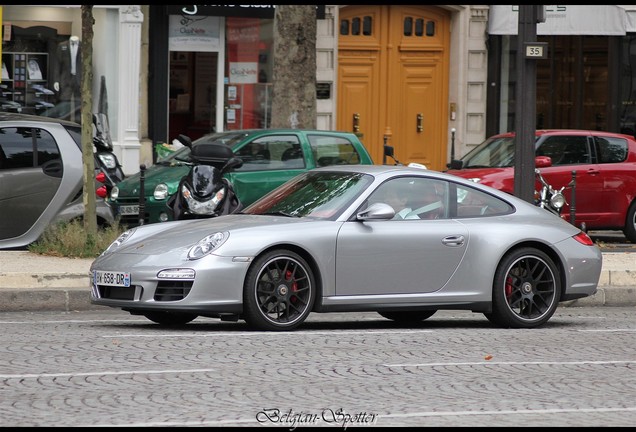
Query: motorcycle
{"x": 107, "y": 167}
{"x": 203, "y": 192}
{"x": 547, "y": 197}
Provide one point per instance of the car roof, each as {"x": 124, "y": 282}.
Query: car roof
{"x": 7, "y": 116}
{"x": 540, "y": 132}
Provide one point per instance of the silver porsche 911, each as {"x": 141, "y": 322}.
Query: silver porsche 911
{"x": 404, "y": 242}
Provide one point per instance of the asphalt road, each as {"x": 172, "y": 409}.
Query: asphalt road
{"x": 111, "y": 369}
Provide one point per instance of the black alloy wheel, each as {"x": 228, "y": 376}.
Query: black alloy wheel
{"x": 279, "y": 291}
{"x": 526, "y": 289}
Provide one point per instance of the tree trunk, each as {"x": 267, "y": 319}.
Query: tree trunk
{"x": 90, "y": 212}
{"x": 294, "y": 74}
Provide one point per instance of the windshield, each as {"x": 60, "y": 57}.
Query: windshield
{"x": 492, "y": 153}
{"x": 320, "y": 195}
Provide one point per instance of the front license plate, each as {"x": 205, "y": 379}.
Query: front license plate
{"x": 111, "y": 278}
{"x": 129, "y": 210}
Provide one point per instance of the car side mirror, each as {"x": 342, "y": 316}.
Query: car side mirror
{"x": 377, "y": 211}
{"x": 185, "y": 140}
{"x": 455, "y": 164}
{"x": 543, "y": 161}
{"x": 235, "y": 162}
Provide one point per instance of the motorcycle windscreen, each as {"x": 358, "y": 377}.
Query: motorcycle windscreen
{"x": 206, "y": 180}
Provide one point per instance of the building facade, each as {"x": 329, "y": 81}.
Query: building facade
{"x": 432, "y": 81}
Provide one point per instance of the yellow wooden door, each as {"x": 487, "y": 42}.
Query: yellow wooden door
{"x": 393, "y": 80}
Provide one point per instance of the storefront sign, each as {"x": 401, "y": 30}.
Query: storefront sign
{"x": 245, "y": 11}
{"x": 605, "y": 20}
{"x": 201, "y": 33}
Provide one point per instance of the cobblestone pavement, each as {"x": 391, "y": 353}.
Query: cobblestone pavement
{"x": 108, "y": 368}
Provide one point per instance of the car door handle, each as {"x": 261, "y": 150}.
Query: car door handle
{"x": 457, "y": 240}
{"x": 593, "y": 171}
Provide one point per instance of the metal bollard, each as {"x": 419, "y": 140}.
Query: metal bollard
{"x": 573, "y": 199}
{"x": 142, "y": 195}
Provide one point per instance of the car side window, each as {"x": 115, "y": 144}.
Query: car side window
{"x": 271, "y": 153}
{"x": 25, "y": 147}
{"x": 413, "y": 198}
{"x": 611, "y": 150}
{"x": 333, "y": 150}
{"x": 475, "y": 203}
{"x": 566, "y": 150}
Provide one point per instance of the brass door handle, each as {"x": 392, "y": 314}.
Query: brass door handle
{"x": 356, "y": 122}
{"x": 420, "y": 117}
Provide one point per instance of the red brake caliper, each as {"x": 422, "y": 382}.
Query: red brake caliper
{"x": 294, "y": 287}
{"x": 508, "y": 289}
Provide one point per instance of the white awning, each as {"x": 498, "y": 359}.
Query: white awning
{"x": 610, "y": 20}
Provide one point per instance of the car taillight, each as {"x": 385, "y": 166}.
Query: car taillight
{"x": 583, "y": 238}
{"x": 101, "y": 177}
{"x": 101, "y": 192}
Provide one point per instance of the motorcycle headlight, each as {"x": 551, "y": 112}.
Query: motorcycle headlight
{"x": 161, "y": 191}
{"x": 114, "y": 193}
{"x": 207, "y": 245}
{"x": 557, "y": 200}
{"x": 202, "y": 207}
{"x": 108, "y": 160}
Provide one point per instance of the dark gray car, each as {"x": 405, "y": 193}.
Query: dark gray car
{"x": 41, "y": 177}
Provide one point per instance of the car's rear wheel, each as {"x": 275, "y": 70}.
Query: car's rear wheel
{"x": 279, "y": 291}
{"x": 630, "y": 223}
{"x": 407, "y": 317}
{"x": 170, "y": 318}
{"x": 526, "y": 289}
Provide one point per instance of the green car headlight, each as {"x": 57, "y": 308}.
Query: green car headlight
{"x": 161, "y": 191}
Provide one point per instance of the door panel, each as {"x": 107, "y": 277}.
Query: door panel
{"x": 359, "y": 97}
{"x": 406, "y": 52}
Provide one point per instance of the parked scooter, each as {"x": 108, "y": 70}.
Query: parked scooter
{"x": 203, "y": 192}
{"x": 107, "y": 168}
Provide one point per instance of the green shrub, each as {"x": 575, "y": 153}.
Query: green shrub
{"x": 69, "y": 239}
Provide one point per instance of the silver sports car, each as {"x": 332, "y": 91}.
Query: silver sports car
{"x": 404, "y": 242}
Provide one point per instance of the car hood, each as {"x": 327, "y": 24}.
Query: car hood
{"x": 499, "y": 178}
{"x": 170, "y": 175}
{"x": 177, "y": 237}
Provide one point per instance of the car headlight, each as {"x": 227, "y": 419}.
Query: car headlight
{"x": 108, "y": 160}
{"x": 119, "y": 241}
{"x": 475, "y": 179}
{"x": 207, "y": 245}
{"x": 114, "y": 193}
{"x": 161, "y": 191}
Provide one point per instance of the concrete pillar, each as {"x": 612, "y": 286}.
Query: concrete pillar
{"x": 129, "y": 52}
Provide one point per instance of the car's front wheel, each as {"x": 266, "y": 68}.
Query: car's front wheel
{"x": 630, "y": 223}
{"x": 279, "y": 291}
{"x": 526, "y": 289}
{"x": 170, "y": 318}
{"x": 408, "y": 317}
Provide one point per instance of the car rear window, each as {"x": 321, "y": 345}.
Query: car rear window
{"x": 611, "y": 150}
{"x": 333, "y": 150}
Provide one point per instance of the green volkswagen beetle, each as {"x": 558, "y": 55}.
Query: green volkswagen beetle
{"x": 270, "y": 158}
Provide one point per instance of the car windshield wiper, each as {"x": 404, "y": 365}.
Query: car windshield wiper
{"x": 279, "y": 213}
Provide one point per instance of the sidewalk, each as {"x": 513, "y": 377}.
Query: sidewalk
{"x": 32, "y": 282}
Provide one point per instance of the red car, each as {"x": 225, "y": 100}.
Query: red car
{"x": 605, "y": 165}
